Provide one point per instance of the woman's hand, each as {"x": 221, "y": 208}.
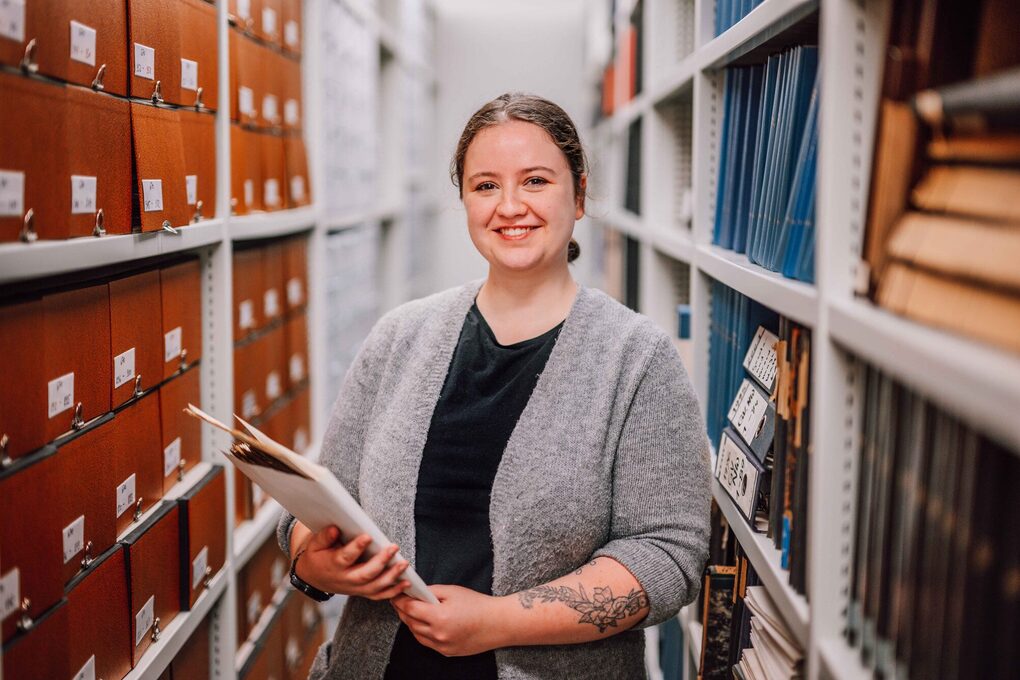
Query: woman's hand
{"x": 339, "y": 568}
{"x": 463, "y": 623}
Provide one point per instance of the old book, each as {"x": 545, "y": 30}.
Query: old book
{"x": 717, "y": 589}
{"x": 971, "y": 191}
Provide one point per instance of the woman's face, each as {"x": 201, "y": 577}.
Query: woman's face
{"x": 519, "y": 197}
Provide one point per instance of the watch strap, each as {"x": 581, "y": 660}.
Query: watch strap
{"x": 306, "y": 588}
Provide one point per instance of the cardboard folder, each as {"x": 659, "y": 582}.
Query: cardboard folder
{"x": 181, "y": 301}
{"x": 136, "y": 335}
{"x": 161, "y": 185}
{"x": 99, "y": 616}
{"x": 245, "y": 171}
{"x": 199, "y": 45}
{"x": 247, "y": 77}
{"x": 135, "y": 453}
{"x": 154, "y": 50}
{"x": 23, "y": 412}
{"x": 82, "y": 41}
{"x": 198, "y": 135}
{"x": 203, "y": 524}
{"x": 31, "y": 653}
{"x": 249, "y": 290}
{"x": 180, "y": 436}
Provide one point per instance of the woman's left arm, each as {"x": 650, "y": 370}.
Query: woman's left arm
{"x": 649, "y": 568}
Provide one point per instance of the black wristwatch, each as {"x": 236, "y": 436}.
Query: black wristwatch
{"x": 309, "y": 590}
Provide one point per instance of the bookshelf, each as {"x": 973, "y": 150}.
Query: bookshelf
{"x": 402, "y": 31}
{"x": 977, "y": 383}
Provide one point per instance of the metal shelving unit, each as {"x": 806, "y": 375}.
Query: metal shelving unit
{"x": 983, "y": 389}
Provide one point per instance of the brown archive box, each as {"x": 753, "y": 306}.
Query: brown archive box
{"x": 245, "y": 171}
{"x": 292, "y": 28}
{"x": 273, "y": 305}
{"x": 181, "y": 297}
{"x": 98, "y": 613}
{"x": 248, "y": 292}
{"x": 250, "y": 372}
{"x": 92, "y": 51}
{"x": 266, "y": 660}
{"x": 257, "y": 582}
{"x": 203, "y": 518}
{"x": 22, "y": 411}
{"x": 268, "y": 22}
{"x": 273, "y": 379}
{"x": 247, "y": 78}
{"x": 181, "y": 434}
{"x": 301, "y": 421}
{"x": 243, "y": 13}
{"x": 87, "y": 480}
{"x": 137, "y": 458}
{"x": 296, "y": 349}
{"x": 31, "y": 174}
{"x": 154, "y": 51}
{"x": 136, "y": 335}
{"x": 152, "y": 552}
{"x": 30, "y": 541}
{"x": 298, "y": 185}
{"x": 198, "y": 135}
{"x": 31, "y": 654}
{"x": 199, "y": 64}
{"x": 76, "y": 342}
{"x": 302, "y": 635}
{"x": 159, "y": 164}
{"x": 193, "y": 661}
{"x": 295, "y": 271}
{"x": 274, "y": 172}
{"x": 311, "y": 648}
{"x": 271, "y": 104}
{"x": 290, "y": 85}
{"x": 97, "y": 194}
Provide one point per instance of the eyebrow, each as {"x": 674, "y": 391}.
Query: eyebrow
{"x": 524, "y": 171}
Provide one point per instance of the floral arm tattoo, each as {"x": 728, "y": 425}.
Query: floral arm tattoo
{"x": 602, "y": 609}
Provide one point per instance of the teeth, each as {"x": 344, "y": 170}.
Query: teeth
{"x": 517, "y": 231}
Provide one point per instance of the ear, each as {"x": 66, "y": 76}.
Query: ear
{"x": 579, "y": 212}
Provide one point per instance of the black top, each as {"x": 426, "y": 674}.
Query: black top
{"x": 486, "y": 389}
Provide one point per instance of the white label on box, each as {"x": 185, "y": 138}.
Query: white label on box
{"x": 297, "y": 188}
{"x": 270, "y": 105}
{"x": 198, "y": 567}
{"x": 152, "y": 195}
{"x": 271, "y": 193}
{"x": 144, "y": 619}
{"x": 244, "y": 9}
{"x": 300, "y": 440}
{"x": 12, "y": 192}
{"x": 88, "y": 671}
{"x": 83, "y": 43}
{"x": 291, "y": 112}
{"x": 61, "y": 394}
{"x": 124, "y": 368}
{"x": 295, "y": 292}
{"x": 191, "y": 184}
{"x": 246, "y": 100}
{"x": 246, "y": 314}
{"x": 10, "y": 593}
{"x": 12, "y": 19}
{"x": 249, "y": 404}
{"x": 297, "y": 368}
{"x": 74, "y": 538}
{"x": 171, "y": 457}
{"x": 290, "y": 33}
{"x": 268, "y": 20}
{"x": 760, "y": 360}
{"x": 278, "y": 571}
{"x": 254, "y": 608}
{"x": 125, "y": 495}
{"x": 189, "y": 75}
{"x": 145, "y": 61}
{"x": 273, "y": 389}
{"x": 271, "y": 302}
{"x": 748, "y": 411}
{"x": 737, "y": 475}
{"x": 293, "y": 653}
{"x": 83, "y": 195}
{"x": 249, "y": 192}
{"x": 309, "y": 615}
{"x": 172, "y": 344}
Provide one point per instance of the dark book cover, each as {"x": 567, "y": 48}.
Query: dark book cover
{"x": 719, "y": 582}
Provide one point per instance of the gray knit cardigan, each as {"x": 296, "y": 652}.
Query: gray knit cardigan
{"x": 608, "y": 458}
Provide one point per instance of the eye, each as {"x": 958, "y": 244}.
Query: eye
{"x": 536, "y": 181}
{"x": 485, "y": 186}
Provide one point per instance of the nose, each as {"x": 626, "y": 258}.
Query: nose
{"x": 510, "y": 205}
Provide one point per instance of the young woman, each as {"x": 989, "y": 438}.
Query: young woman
{"x": 533, "y": 446}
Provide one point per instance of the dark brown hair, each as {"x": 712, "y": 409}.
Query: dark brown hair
{"x": 528, "y": 108}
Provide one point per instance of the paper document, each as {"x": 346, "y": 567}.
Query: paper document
{"x": 307, "y": 490}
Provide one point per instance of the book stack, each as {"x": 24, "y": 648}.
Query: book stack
{"x": 729, "y": 12}
{"x": 758, "y": 403}
{"x": 773, "y": 653}
{"x": 937, "y": 543}
{"x": 765, "y": 203}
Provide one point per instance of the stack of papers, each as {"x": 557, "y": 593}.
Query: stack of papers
{"x": 774, "y": 653}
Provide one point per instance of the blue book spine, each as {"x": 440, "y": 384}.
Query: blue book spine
{"x": 723, "y": 151}
{"x": 748, "y": 143}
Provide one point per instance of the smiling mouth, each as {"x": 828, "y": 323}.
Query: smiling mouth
{"x": 515, "y": 232}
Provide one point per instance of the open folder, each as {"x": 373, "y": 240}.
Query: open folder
{"x": 306, "y": 490}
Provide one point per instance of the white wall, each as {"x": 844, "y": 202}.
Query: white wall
{"x": 485, "y": 48}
